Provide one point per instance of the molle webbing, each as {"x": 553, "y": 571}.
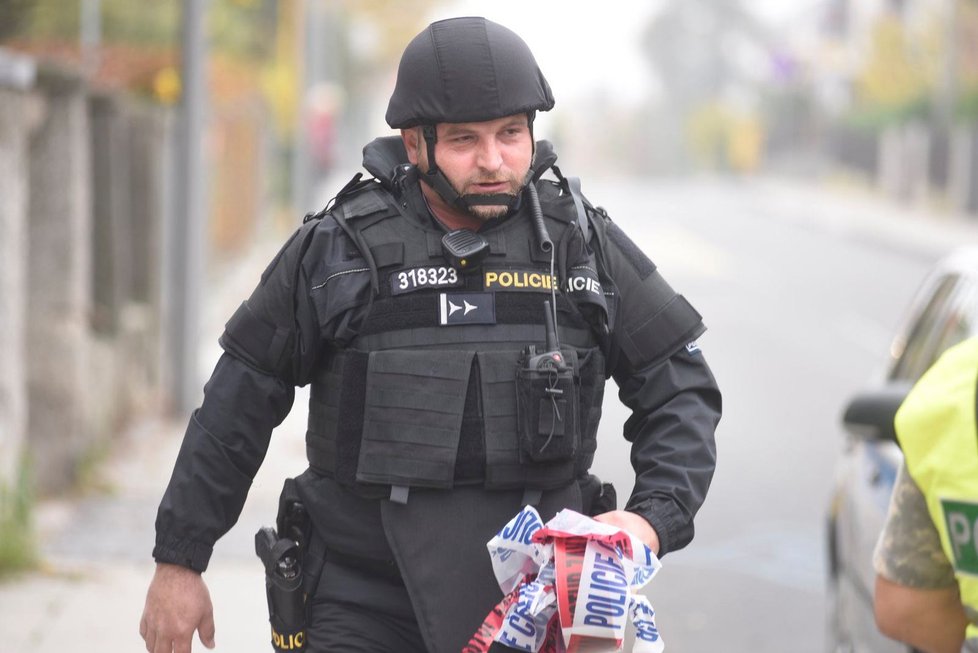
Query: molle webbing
{"x": 435, "y": 418}
{"x": 412, "y": 417}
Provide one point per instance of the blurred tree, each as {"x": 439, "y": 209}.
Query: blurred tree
{"x": 693, "y": 46}
{"x": 280, "y": 77}
{"x": 725, "y": 139}
{"x": 966, "y": 60}
{"x": 13, "y": 15}
{"x": 149, "y": 23}
{"x": 395, "y": 23}
{"x": 900, "y": 74}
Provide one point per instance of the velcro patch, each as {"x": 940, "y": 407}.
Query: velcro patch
{"x": 466, "y": 308}
{"x": 521, "y": 280}
{"x": 961, "y": 519}
{"x": 411, "y": 279}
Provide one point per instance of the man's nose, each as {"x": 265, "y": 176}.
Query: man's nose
{"x": 490, "y": 156}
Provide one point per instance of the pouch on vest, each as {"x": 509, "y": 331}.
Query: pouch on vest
{"x": 412, "y": 416}
{"x": 548, "y": 408}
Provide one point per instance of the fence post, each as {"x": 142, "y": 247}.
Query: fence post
{"x": 59, "y": 282}
{"x": 16, "y": 77}
{"x": 151, "y": 133}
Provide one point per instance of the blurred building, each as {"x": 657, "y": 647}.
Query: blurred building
{"x": 897, "y": 82}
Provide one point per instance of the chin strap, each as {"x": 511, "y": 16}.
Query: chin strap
{"x": 434, "y": 176}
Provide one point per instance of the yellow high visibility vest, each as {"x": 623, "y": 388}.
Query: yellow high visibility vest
{"x": 937, "y": 427}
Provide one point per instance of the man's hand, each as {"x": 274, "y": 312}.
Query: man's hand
{"x": 177, "y": 604}
{"x": 634, "y": 524}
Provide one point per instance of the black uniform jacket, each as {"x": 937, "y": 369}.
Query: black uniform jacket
{"x": 674, "y": 401}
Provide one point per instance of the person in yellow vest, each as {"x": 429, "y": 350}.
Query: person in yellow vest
{"x": 926, "y": 559}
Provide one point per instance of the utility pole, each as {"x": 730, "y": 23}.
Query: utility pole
{"x": 947, "y": 94}
{"x": 91, "y": 34}
{"x": 185, "y": 250}
{"x": 307, "y": 38}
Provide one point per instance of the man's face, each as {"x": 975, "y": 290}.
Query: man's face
{"x": 478, "y": 158}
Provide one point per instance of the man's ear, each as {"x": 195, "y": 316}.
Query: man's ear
{"x": 410, "y": 138}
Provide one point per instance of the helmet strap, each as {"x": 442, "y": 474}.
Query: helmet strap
{"x": 434, "y": 176}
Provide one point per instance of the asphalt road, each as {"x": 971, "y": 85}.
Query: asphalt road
{"x": 801, "y": 298}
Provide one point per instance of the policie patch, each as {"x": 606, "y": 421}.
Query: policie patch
{"x": 961, "y": 519}
{"x": 583, "y": 281}
{"x": 411, "y": 279}
{"x": 528, "y": 280}
{"x": 466, "y": 308}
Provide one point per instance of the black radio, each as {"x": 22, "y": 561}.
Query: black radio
{"x": 547, "y": 400}
{"x": 464, "y": 249}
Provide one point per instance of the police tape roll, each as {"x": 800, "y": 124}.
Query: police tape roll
{"x": 570, "y": 582}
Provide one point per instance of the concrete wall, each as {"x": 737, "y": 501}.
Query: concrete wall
{"x": 59, "y": 367}
{"x": 149, "y": 155}
{"x": 82, "y": 208}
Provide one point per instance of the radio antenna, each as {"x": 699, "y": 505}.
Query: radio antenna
{"x": 548, "y": 317}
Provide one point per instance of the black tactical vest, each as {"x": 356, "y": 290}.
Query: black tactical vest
{"x": 431, "y": 393}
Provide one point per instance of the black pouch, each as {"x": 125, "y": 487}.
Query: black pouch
{"x": 547, "y": 408}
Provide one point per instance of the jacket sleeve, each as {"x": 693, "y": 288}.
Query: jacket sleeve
{"x": 665, "y": 382}
{"x": 271, "y": 345}
{"x": 676, "y": 407}
{"x": 222, "y": 449}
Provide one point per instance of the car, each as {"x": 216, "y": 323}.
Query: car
{"x": 943, "y": 313}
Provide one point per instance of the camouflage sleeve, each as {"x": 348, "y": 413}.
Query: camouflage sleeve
{"x": 909, "y": 548}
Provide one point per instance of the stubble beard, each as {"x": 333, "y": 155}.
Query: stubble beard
{"x": 487, "y": 212}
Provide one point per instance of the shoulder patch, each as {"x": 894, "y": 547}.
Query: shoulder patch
{"x": 582, "y": 280}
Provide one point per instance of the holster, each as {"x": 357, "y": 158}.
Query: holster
{"x": 282, "y": 555}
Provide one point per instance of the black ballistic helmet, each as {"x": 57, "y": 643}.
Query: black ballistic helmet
{"x": 466, "y": 70}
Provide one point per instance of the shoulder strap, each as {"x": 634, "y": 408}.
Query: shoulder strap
{"x": 572, "y": 186}
{"x": 350, "y": 193}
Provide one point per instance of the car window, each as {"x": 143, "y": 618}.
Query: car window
{"x": 946, "y": 319}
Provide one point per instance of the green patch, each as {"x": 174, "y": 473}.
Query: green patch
{"x": 961, "y": 519}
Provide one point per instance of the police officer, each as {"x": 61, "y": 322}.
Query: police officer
{"x": 445, "y": 393}
{"x": 926, "y": 559}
